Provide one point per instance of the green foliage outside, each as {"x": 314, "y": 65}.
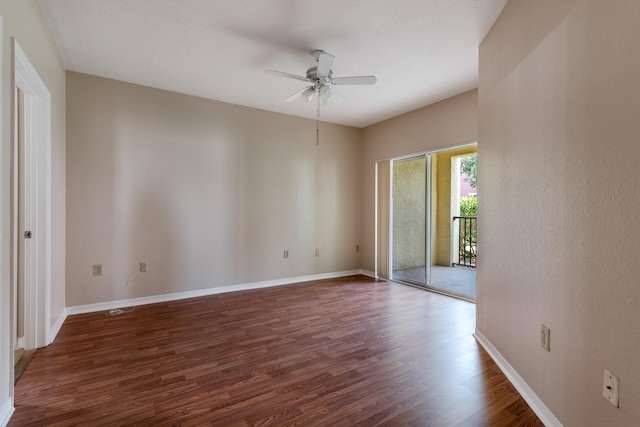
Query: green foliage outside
{"x": 469, "y": 166}
{"x": 469, "y": 206}
{"x": 468, "y": 229}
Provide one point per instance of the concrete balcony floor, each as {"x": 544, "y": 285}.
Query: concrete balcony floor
{"x": 454, "y": 280}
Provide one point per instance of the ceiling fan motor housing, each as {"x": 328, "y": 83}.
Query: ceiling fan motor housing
{"x": 312, "y": 74}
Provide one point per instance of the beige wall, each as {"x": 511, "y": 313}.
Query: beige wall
{"x": 558, "y": 141}
{"x": 22, "y": 20}
{"x": 383, "y": 210}
{"x": 208, "y": 194}
{"x": 444, "y": 124}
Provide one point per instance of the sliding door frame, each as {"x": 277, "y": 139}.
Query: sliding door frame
{"x": 384, "y": 215}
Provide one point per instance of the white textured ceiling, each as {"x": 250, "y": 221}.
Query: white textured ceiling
{"x": 421, "y": 51}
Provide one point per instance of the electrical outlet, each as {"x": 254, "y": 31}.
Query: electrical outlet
{"x": 317, "y": 252}
{"x": 97, "y": 269}
{"x": 610, "y": 388}
{"x": 545, "y": 338}
{"x": 143, "y": 267}
{"x": 286, "y": 254}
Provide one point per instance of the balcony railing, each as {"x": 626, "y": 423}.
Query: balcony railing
{"x": 465, "y": 229}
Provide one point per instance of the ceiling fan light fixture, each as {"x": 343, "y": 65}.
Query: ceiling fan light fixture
{"x": 325, "y": 94}
{"x": 308, "y": 93}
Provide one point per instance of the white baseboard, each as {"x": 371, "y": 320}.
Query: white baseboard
{"x": 368, "y": 273}
{"x": 540, "y": 409}
{"x": 6, "y": 411}
{"x": 55, "y": 328}
{"x": 20, "y": 343}
{"x": 103, "y": 306}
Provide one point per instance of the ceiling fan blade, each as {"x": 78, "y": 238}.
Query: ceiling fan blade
{"x": 325, "y": 61}
{"x": 337, "y": 97}
{"x": 291, "y": 76}
{"x": 296, "y": 95}
{"x": 354, "y": 80}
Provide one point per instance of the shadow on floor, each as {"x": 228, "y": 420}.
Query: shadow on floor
{"x": 22, "y": 359}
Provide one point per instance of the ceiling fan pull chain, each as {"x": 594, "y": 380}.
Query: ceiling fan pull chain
{"x": 318, "y": 119}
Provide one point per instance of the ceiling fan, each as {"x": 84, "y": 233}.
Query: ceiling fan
{"x": 322, "y": 79}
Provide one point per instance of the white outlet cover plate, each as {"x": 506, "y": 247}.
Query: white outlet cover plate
{"x": 610, "y": 388}
{"x": 545, "y": 338}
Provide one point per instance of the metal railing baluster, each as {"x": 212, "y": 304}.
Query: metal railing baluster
{"x": 467, "y": 238}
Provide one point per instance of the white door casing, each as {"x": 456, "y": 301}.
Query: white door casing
{"x": 37, "y": 206}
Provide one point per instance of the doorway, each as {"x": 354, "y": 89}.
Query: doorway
{"x": 453, "y": 268}
{"x": 429, "y": 223}
{"x": 22, "y": 354}
{"x": 30, "y": 206}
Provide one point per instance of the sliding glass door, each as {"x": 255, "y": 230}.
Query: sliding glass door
{"x": 432, "y": 225}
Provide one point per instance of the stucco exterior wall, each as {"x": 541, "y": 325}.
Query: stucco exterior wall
{"x": 409, "y": 210}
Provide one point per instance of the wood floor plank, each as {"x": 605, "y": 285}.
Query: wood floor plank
{"x": 339, "y": 352}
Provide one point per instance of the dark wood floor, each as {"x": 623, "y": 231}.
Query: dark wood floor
{"x": 343, "y": 352}
{"x": 21, "y": 361}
